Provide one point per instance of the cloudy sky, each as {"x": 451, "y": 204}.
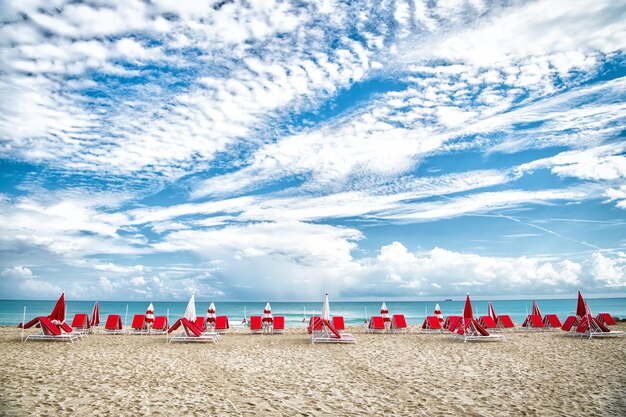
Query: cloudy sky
{"x": 254, "y": 150}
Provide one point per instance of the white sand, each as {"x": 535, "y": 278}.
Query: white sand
{"x": 543, "y": 374}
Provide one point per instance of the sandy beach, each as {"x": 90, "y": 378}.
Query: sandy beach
{"x": 532, "y": 374}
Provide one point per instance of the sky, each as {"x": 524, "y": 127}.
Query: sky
{"x": 274, "y": 150}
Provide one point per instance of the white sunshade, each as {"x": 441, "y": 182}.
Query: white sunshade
{"x": 210, "y": 314}
{"x": 150, "y": 313}
{"x": 438, "y": 313}
{"x": 326, "y": 309}
{"x": 267, "y": 312}
{"x": 190, "y": 311}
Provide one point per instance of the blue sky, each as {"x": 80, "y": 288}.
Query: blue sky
{"x": 275, "y": 150}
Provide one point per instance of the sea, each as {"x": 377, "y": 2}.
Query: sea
{"x": 297, "y": 313}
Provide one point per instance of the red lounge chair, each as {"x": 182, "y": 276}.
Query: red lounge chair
{"x": 504, "y": 322}
{"x": 398, "y": 324}
{"x": 338, "y": 323}
{"x": 590, "y": 327}
{"x": 113, "y": 325}
{"x": 49, "y": 331}
{"x": 551, "y": 321}
{"x": 138, "y": 325}
{"x": 606, "y": 319}
{"x": 570, "y": 324}
{"x": 376, "y": 325}
{"x": 327, "y": 333}
{"x": 431, "y": 324}
{"x": 487, "y": 322}
{"x": 279, "y": 325}
{"x": 159, "y": 326}
{"x": 80, "y": 324}
{"x": 201, "y": 323}
{"x": 256, "y": 325}
{"x": 451, "y": 323}
{"x": 533, "y": 322}
{"x": 314, "y": 324}
{"x": 470, "y": 330}
{"x": 221, "y": 324}
{"x": 191, "y": 332}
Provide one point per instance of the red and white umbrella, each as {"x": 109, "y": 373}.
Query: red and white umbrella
{"x": 536, "y": 311}
{"x": 267, "y": 313}
{"x": 58, "y": 313}
{"x": 210, "y": 314}
{"x": 95, "y": 315}
{"x": 150, "y": 315}
{"x": 384, "y": 312}
{"x": 492, "y": 313}
{"x": 438, "y": 314}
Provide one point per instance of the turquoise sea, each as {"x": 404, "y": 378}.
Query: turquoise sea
{"x": 353, "y": 312}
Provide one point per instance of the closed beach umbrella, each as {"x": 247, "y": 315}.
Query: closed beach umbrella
{"x": 581, "y": 307}
{"x": 384, "y": 312}
{"x": 95, "y": 315}
{"x": 210, "y": 314}
{"x": 492, "y": 313}
{"x": 190, "y": 311}
{"x": 467, "y": 311}
{"x": 58, "y": 313}
{"x": 536, "y": 311}
{"x": 267, "y": 313}
{"x": 438, "y": 314}
{"x": 150, "y": 315}
{"x": 325, "y": 315}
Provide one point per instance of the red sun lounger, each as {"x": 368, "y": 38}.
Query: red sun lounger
{"x": 470, "y": 330}
{"x": 159, "y": 326}
{"x": 505, "y": 322}
{"x": 201, "y": 323}
{"x": 398, "y": 324}
{"x": 487, "y": 322}
{"x": 570, "y": 324}
{"x": 279, "y": 325}
{"x": 606, "y": 319}
{"x": 191, "y": 332}
{"x": 256, "y": 325}
{"x": 338, "y": 323}
{"x": 49, "y": 331}
{"x": 221, "y": 324}
{"x": 452, "y": 323}
{"x": 533, "y": 321}
{"x": 376, "y": 325}
{"x": 314, "y": 324}
{"x": 80, "y": 324}
{"x": 113, "y": 325}
{"x": 551, "y": 321}
{"x": 431, "y": 324}
{"x": 138, "y": 325}
{"x": 328, "y": 333}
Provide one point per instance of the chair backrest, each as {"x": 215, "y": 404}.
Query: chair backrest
{"x": 221, "y": 323}
{"x": 160, "y": 323}
{"x": 48, "y": 328}
{"x": 487, "y": 322}
{"x": 453, "y": 322}
{"x": 114, "y": 322}
{"x": 570, "y": 322}
{"x": 201, "y": 323}
{"x": 399, "y": 322}
{"x": 191, "y": 329}
{"x": 433, "y": 323}
{"x": 65, "y": 327}
{"x": 330, "y": 328}
{"x": 279, "y": 322}
{"x": 256, "y": 323}
{"x": 473, "y": 328}
{"x": 605, "y": 318}
{"x": 315, "y": 324}
{"x": 377, "y": 323}
{"x": 504, "y": 320}
{"x": 551, "y": 320}
{"x": 139, "y": 322}
{"x": 338, "y": 323}
{"x": 80, "y": 321}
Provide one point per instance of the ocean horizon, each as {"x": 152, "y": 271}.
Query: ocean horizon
{"x": 354, "y": 312}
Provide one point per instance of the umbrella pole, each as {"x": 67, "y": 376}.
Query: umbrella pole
{"x": 126, "y": 317}
{"x": 365, "y": 314}
{"x": 167, "y": 331}
{"x": 23, "y": 323}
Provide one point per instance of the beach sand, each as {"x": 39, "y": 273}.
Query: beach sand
{"x": 531, "y": 374}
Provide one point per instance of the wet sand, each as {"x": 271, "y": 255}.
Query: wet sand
{"x": 531, "y": 374}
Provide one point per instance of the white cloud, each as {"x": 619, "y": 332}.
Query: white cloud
{"x": 20, "y": 272}
{"x": 610, "y": 271}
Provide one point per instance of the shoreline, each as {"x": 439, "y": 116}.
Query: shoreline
{"x": 532, "y": 373}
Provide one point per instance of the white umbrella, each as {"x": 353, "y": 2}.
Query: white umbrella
{"x": 150, "y": 314}
{"x": 210, "y": 314}
{"x": 190, "y": 311}
{"x": 267, "y": 313}
{"x": 326, "y": 309}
